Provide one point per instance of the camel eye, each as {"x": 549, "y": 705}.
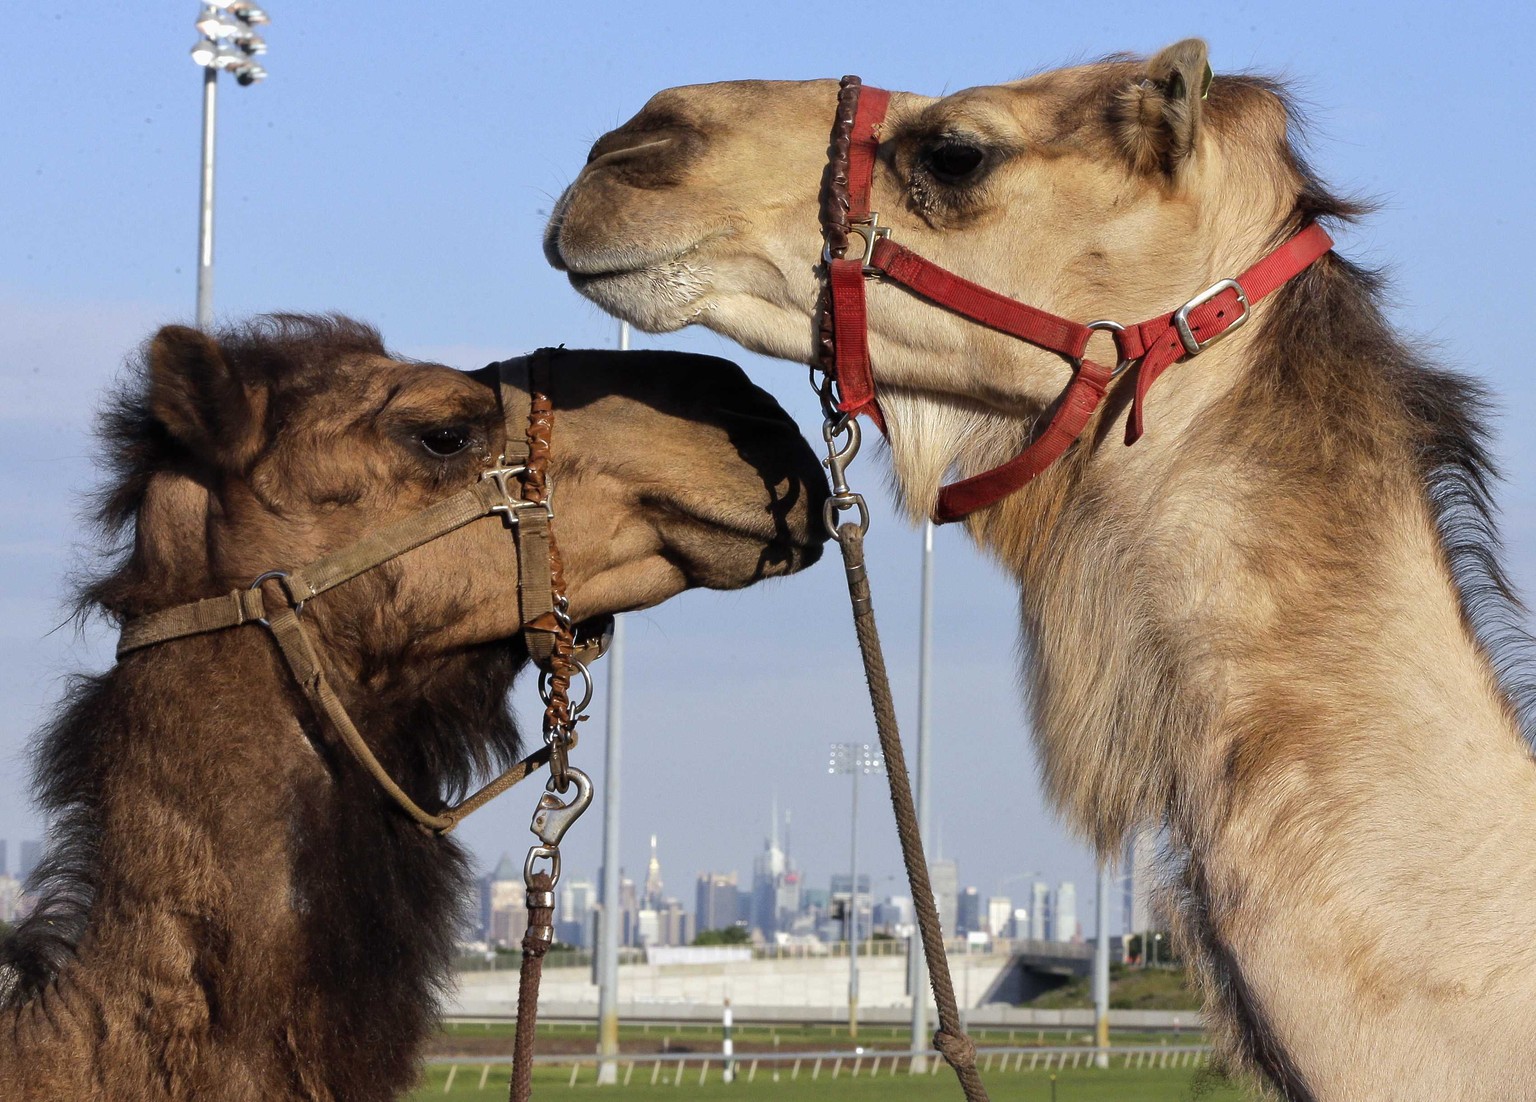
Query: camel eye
{"x": 448, "y": 440}
{"x": 952, "y": 160}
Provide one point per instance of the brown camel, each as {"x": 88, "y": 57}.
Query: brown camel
{"x": 232, "y": 909}
{"x": 1275, "y": 625}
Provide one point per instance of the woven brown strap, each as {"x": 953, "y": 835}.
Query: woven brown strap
{"x": 536, "y": 942}
{"x": 951, "y": 1040}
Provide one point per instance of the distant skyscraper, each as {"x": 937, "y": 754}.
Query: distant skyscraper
{"x": 968, "y": 912}
{"x": 4, "y": 868}
{"x": 1039, "y": 909}
{"x": 716, "y": 901}
{"x": 769, "y": 882}
{"x": 944, "y": 874}
{"x": 578, "y": 898}
{"x": 653, "y": 896}
{"x": 1065, "y": 927}
{"x": 506, "y": 904}
{"x": 999, "y": 916}
{"x": 31, "y": 854}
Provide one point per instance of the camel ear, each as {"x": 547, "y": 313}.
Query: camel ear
{"x": 195, "y": 395}
{"x": 1158, "y": 116}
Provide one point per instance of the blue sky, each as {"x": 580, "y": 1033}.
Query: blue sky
{"x": 398, "y": 165}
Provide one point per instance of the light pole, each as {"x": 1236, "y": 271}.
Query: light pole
{"x": 1101, "y": 968}
{"x": 917, "y": 966}
{"x": 228, "y": 41}
{"x": 854, "y": 758}
{"x": 607, "y": 957}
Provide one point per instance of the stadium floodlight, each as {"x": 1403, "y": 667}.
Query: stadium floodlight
{"x": 227, "y": 42}
{"x": 249, "y": 13}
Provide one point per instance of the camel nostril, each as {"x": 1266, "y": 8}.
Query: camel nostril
{"x": 653, "y": 154}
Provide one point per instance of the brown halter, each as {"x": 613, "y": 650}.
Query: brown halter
{"x": 522, "y": 386}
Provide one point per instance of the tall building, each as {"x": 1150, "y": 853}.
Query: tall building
{"x": 629, "y": 911}
{"x": 1039, "y": 910}
{"x": 31, "y": 854}
{"x": 652, "y": 897}
{"x": 1065, "y": 927}
{"x": 775, "y": 884}
{"x": 10, "y": 898}
{"x": 717, "y": 901}
{"x": 999, "y": 916}
{"x": 944, "y": 875}
{"x": 968, "y": 912}
{"x": 505, "y": 902}
{"x": 577, "y": 923}
{"x": 4, "y": 868}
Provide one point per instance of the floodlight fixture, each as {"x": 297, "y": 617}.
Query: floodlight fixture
{"x": 248, "y": 13}
{"x": 214, "y": 23}
{"x": 252, "y": 44}
{"x": 249, "y": 73}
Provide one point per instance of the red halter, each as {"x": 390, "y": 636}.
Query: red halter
{"x": 866, "y": 250}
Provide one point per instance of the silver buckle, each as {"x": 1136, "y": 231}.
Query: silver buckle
{"x": 1192, "y": 345}
{"x": 512, "y": 503}
{"x": 871, "y": 231}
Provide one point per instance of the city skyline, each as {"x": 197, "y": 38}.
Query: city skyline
{"x": 730, "y": 696}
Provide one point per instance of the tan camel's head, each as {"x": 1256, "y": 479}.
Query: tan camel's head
{"x": 267, "y": 447}
{"x": 1112, "y": 190}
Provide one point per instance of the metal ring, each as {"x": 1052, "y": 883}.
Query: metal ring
{"x": 586, "y": 677}
{"x": 268, "y": 576}
{"x": 834, "y": 505}
{"x": 1104, "y": 325}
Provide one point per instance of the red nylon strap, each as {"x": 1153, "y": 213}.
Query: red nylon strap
{"x": 1157, "y": 344}
{"x": 1077, "y": 405}
{"x": 971, "y": 300}
{"x": 850, "y": 325}
{"x": 850, "y": 335}
{"x": 863, "y": 144}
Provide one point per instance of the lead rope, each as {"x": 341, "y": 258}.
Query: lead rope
{"x": 951, "y": 1040}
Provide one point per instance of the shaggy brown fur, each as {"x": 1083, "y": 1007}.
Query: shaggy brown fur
{"x": 1275, "y": 627}
{"x": 231, "y": 908}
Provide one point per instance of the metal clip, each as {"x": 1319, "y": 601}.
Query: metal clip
{"x": 512, "y": 503}
{"x": 552, "y": 818}
{"x": 869, "y": 231}
{"x": 837, "y": 461}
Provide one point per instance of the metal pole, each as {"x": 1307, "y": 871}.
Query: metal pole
{"x": 608, "y": 928}
{"x": 917, "y": 968}
{"x": 205, "y": 209}
{"x": 1101, "y": 968}
{"x": 853, "y": 905}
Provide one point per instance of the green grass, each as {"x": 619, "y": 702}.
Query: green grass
{"x": 1116, "y": 1084}
{"x": 1129, "y": 989}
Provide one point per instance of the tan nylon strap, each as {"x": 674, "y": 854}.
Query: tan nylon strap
{"x": 392, "y": 540}
{"x": 240, "y": 606}
{"x": 299, "y": 653}
{"x": 516, "y": 391}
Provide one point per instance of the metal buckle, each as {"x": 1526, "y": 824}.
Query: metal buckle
{"x": 871, "y": 231}
{"x": 508, "y": 511}
{"x": 1192, "y": 345}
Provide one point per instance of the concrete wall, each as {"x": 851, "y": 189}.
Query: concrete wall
{"x": 790, "y": 987}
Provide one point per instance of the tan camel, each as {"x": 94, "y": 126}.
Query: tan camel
{"x": 231, "y": 909}
{"x": 1275, "y": 625}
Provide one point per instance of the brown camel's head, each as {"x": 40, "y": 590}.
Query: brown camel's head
{"x": 1113, "y": 190}
{"x": 264, "y": 448}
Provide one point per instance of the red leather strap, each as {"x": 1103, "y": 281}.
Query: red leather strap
{"x": 1078, "y": 402}
{"x": 971, "y": 300}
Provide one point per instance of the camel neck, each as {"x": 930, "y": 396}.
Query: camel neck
{"x": 284, "y": 924}
{"x": 1255, "y": 637}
